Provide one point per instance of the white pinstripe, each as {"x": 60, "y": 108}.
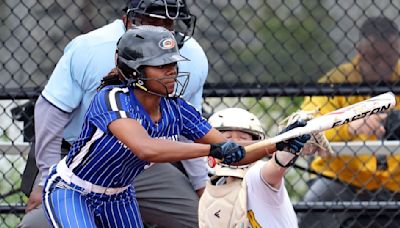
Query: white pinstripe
{"x": 96, "y": 148}
{"x": 113, "y": 159}
{"x": 106, "y": 215}
{"x": 46, "y": 201}
{"x": 113, "y": 214}
{"x": 58, "y": 200}
{"x": 136, "y": 219}
{"x": 87, "y": 211}
{"x": 102, "y": 220}
{"x": 85, "y": 149}
{"x": 66, "y": 206}
{"x": 73, "y": 208}
{"x": 97, "y": 164}
{"x": 120, "y": 215}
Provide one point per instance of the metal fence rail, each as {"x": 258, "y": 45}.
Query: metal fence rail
{"x": 219, "y": 90}
{"x": 368, "y": 206}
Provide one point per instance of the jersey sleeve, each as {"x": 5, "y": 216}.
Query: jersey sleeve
{"x": 109, "y": 105}
{"x": 194, "y": 125}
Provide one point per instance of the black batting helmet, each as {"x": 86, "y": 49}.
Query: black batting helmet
{"x": 176, "y": 10}
{"x": 147, "y": 45}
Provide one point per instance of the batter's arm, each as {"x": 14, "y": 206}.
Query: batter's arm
{"x": 153, "y": 149}
{"x": 214, "y": 136}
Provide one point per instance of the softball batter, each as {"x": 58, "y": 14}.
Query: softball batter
{"x": 128, "y": 126}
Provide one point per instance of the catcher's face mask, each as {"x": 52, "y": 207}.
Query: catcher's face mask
{"x": 175, "y": 13}
{"x": 237, "y": 125}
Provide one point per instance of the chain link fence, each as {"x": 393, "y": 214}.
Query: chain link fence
{"x": 265, "y": 56}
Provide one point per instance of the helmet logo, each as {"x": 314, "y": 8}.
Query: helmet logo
{"x": 167, "y": 43}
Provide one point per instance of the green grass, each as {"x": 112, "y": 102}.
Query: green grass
{"x": 10, "y": 175}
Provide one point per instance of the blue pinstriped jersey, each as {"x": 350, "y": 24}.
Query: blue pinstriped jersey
{"x": 100, "y": 158}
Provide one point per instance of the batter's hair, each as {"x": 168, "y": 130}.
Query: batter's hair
{"x": 112, "y": 78}
{"x": 381, "y": 28}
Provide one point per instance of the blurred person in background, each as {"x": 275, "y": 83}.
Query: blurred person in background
{"x": 60, "y": 110}
{"x": 362, "y": 177}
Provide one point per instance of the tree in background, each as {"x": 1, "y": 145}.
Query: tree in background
{"x": 268, "y": 41}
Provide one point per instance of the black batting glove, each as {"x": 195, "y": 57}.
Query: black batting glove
{"x": 293, "y": 145}
{"x": 229, "y": 152}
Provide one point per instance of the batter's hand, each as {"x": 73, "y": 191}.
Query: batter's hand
{"x": 35, "y": 198}
{"x": 372, "y": 125}
{"x": 229, "y": 152}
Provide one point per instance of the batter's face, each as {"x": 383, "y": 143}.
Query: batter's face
{"x": 161, "y": 79}
{"x": 237, "y": 136}
{"x": 378, "y": 58}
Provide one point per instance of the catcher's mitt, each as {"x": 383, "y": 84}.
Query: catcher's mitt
{"x": 318, "y": 143}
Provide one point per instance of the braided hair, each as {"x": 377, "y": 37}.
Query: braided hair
{"x": 112, "y": 78}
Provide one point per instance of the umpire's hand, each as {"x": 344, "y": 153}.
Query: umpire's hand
{"x": 35, "y": 198}
{"x": 229, "y": 152}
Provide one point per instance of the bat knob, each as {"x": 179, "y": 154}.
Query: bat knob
{"x": 212, "y": 162}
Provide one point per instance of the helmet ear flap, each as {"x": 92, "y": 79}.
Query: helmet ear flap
{"x": 126, "y": 70}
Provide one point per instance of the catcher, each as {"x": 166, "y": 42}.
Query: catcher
{"x": 254, "y": 195}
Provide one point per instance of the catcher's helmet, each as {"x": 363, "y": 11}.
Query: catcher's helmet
{"x": 147, "y": 46}
{"x": 240, "y": 120}
{"x": 237, "y": 119}
{"x": 176, "y": 10}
